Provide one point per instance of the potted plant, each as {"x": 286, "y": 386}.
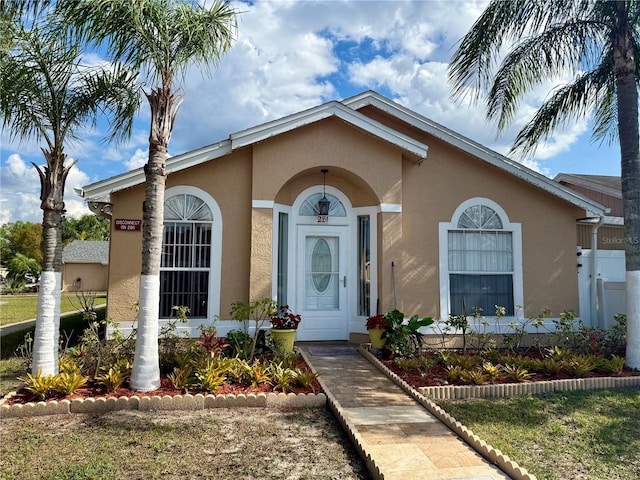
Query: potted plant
{"x": 284, "y": 325}
{"x": 376, "y": 325}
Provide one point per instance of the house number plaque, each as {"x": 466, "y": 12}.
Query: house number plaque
{"x": 322, "y": 219}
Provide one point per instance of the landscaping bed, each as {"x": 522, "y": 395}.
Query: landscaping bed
{"x": 431, "y": 369}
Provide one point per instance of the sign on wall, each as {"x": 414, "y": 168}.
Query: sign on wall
{"x": 128, "y": 225}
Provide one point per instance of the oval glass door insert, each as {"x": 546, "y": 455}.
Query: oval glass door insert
{"x": 321, "y": 265}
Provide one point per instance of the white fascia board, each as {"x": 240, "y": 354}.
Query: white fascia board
{"x": 608, "y": 220}
{"x": 467, "y": 145}
{"x": 101, "y": 191}
{"x": 583, "y": 182}
{"x": 331, "y": 109}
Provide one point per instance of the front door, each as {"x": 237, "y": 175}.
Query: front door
{"x": 321, "y": 282}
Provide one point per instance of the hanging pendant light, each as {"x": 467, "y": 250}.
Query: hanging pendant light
{"x": 324, "y": 204}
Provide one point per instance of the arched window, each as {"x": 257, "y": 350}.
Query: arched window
{"x": 186, "y": 265}
{"x": 482, "y": 266}
{"x": 309, "y": 207}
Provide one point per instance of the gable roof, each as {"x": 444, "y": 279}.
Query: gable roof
{"x": 608, "y": 184}
{"x": 86, "y": 251}
{"x": 100, "y": 191}
{"x": 374, "y": 99}
{"x": 348, "y": 111}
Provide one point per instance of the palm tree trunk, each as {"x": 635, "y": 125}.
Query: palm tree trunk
{"x": 146, "y": 366}
{"x": 624, "y": 68}
{"x": 45, "y": 345}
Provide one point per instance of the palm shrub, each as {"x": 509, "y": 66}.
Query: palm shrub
{"x": 403, "y": 339}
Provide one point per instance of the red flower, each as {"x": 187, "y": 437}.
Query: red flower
{"x": 376, "y": 321}
{"x": 285, "y": 319}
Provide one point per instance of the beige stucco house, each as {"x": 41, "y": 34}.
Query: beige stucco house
{"x": 420, "y": 218}
{"x": 85, "y": 266}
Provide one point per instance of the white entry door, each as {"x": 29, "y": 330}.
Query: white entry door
{"x": 321, "y": 282}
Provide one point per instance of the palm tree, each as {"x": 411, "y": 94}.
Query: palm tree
{"x": 162, "y": 38}
{"x": 48, "y": 95}
{"x": 598, "y": 41}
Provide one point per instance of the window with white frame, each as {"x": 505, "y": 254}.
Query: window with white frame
{"x": 186, "y": 255}
{"x": 480, "y": 260}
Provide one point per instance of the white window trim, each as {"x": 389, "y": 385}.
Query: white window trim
{"x": 215, "y": 271}
{"x": 443, "y": 233}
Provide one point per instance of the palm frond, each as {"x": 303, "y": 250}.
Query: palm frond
{"x": 503, "y": 23}
{"x": 588, "y": 92}
{"x": 569, "y": 47}
{"x": 159, "y": 37}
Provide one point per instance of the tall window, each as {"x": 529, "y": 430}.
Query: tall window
{"x": 482, "y": 260}
{"x": 364, "y": 264}
{"x": 283, "y": 257}
{"x": 186, "y": 255}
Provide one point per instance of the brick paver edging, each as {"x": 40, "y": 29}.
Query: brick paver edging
{"x": 347, "y": 426}
{"x": 167, "y": 402}
{"x": 495, "y": 456}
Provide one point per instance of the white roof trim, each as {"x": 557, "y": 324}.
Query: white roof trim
{"x": 612, "y": 221}
{"x": 467, "y": 145}
{"x": 583, "y": 182}
{"x": 331, "y": 109}
{"x": 100, "y": 191}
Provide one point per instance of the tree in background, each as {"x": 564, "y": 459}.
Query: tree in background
{"x": 161, "y": 38}
{"x": 598, "y": 42}
{"x": 87, "y": 227}
{"x": 21, "y": 237}
{"x": 47, "y": 94}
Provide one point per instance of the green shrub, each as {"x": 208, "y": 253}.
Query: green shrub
{"x": 40, "y": 385}
{"x": 69, "y": 382}
{"x": 615, "y": 364}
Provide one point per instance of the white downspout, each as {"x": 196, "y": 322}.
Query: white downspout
{"x": 595, "y": 318}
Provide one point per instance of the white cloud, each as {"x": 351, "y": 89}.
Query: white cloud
{"x": 20, "y": 196}
{"x": 291, "y": 55}
{"x": 138, "y": 159}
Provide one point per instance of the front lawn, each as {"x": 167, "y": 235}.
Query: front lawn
{"x": 245, "y": 443}
{"x": 17, "y": 308}
{"x": 570, "y": 435}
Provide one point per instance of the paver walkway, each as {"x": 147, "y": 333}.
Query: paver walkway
{"x": 403, "y": 439}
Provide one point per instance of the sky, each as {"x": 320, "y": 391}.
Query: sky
{"x": 290, "y": 55}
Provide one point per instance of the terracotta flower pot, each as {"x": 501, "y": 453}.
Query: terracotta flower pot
{"x": 375, "y": 335}
{"x": 283, "y": 339}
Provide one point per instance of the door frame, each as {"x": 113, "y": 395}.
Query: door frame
{"x": 341, "y": 315}
{"x": 355, "y": 322}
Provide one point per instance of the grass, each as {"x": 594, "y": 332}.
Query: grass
{"x": 71, "y": 327}
{"x": 220, "y": 443}
{"x": 594, "y": 435}
{"x": 17, "y": 308}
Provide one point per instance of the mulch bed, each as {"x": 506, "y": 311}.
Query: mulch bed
{"x": 94, "y": 390}
{"x": 437, "y": 376}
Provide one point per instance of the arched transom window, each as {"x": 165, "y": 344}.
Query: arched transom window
{"x": 309, "y": 207}
{"x": 186, "y": 255}
{"x": 480, "y": 262}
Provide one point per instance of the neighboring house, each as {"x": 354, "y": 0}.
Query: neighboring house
{"x": 601, "y": 300}
{"x": 85, "y": 266}
{"x": 420, "y": 218}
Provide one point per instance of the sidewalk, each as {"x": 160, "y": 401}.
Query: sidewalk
{"x": 398, "y": 438}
